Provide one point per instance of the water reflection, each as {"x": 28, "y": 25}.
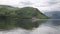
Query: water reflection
{"x": 52, "y": 26}
{"x": 48, "y": 26}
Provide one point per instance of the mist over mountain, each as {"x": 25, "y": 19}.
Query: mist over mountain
{"x": 53, "y": 14}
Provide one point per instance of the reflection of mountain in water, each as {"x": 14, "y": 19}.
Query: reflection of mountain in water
{"x": 56, "y": 22}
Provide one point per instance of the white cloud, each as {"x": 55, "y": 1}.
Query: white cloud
{"x": 8, "y": 2}
{"x": 43, "y": 5}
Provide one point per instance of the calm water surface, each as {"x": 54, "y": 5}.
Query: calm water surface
{"x": 50, "y": 27}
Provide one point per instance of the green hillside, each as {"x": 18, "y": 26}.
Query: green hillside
{"x": 29, "y": 12}
{"x": 11, "y": 17}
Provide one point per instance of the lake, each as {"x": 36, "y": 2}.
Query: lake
{"x": 52, "y": 26}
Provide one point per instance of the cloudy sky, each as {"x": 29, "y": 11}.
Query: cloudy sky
{"x": 42, "y": 5}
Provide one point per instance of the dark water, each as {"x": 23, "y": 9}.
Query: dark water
{"x": 52, "y": 26}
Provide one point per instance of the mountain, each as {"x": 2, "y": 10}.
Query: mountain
{"x": 56, "y": 15}
{"x": 11, "y": 17}
{"x": 53, "y": 14}
{"x": 31, "y": 12}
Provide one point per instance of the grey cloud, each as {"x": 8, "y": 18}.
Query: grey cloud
{"x": 26, "y": 3}
{"x": 52, "y": 3}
